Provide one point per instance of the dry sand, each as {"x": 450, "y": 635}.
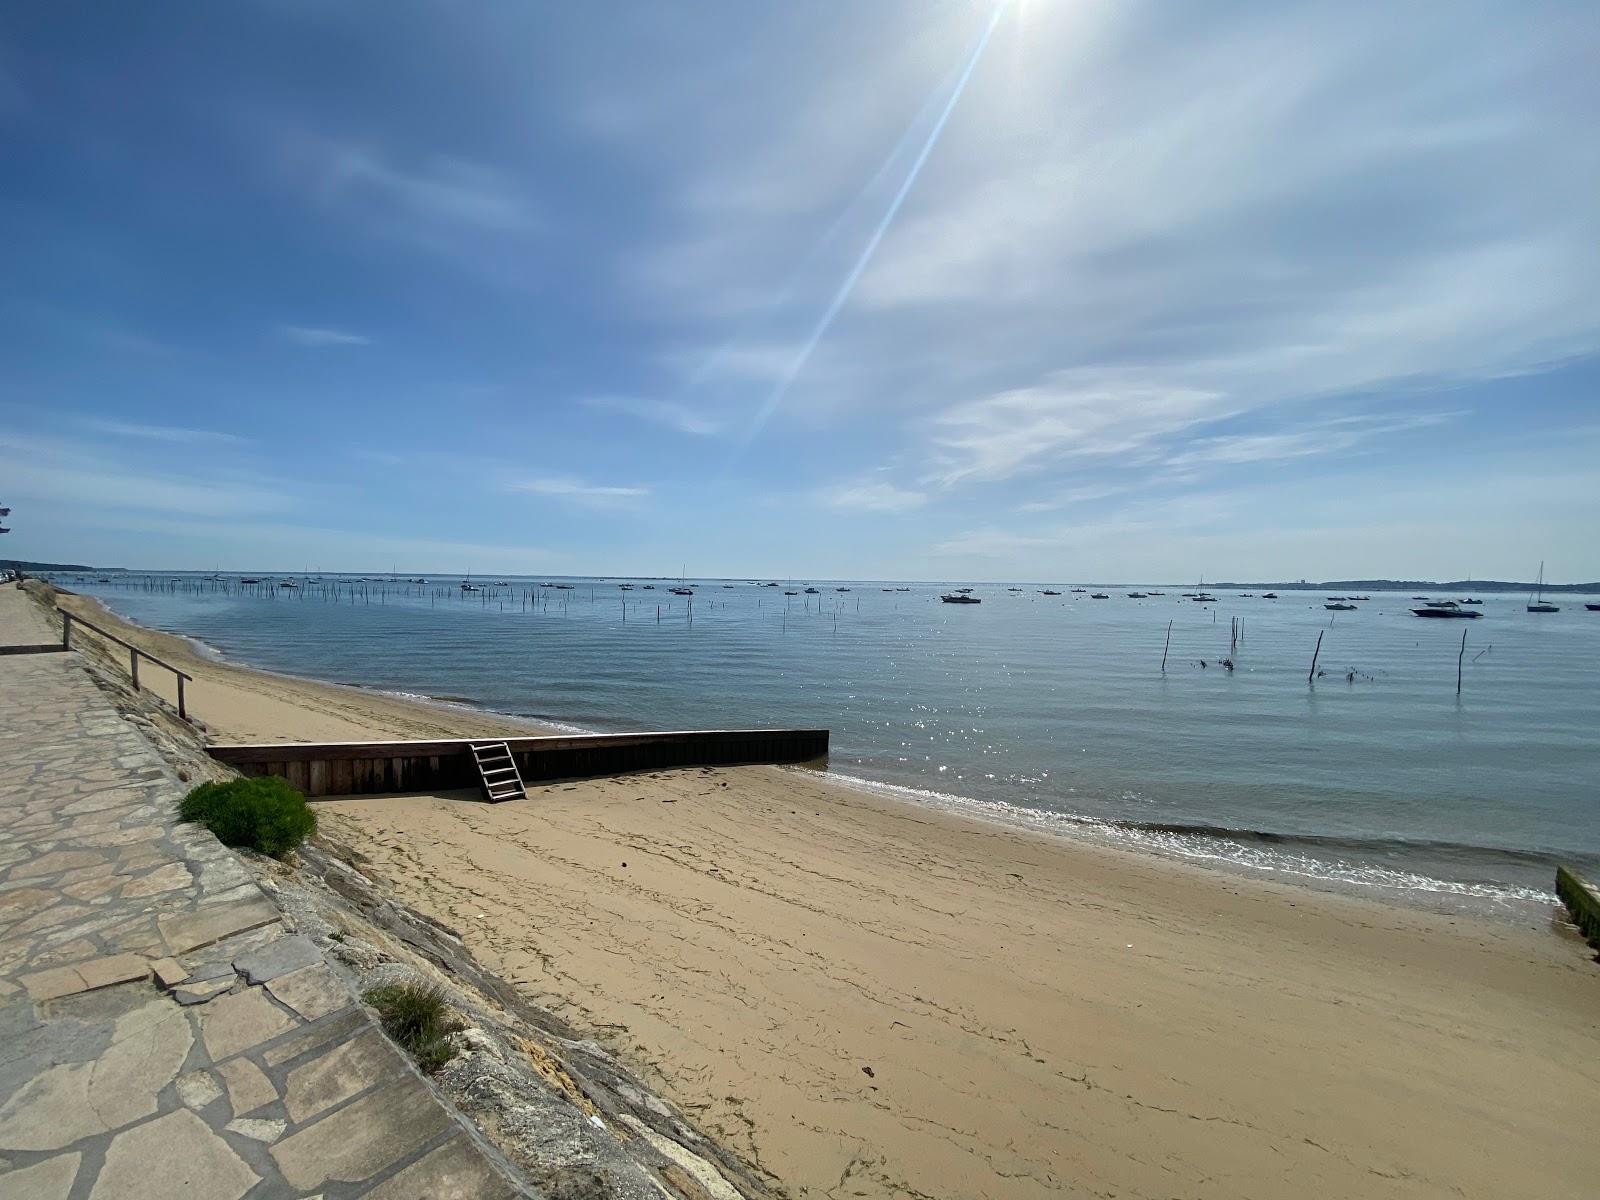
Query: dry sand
{"x": 868, "y": 998}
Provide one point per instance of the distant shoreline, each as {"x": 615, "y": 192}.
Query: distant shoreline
{"x": 1372, "y": 585}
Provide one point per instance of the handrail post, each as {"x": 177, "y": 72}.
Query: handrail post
{"x": 133, "y": 666}
{"x": 183, "y": 714}
{"x": 66, "y": 630}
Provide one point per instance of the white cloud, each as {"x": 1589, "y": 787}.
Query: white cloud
{"x": 872, "y": 496}
{"x": 579, "y": 492}
{"x": 311, "y": 335}
{"x": 475, "y": 214}
{"x": 437, "y": 189}
{"x": 1072, "y": 414}
{"x": 1071, "y": 497}
{"x": 63, "y": 473}
{"x": 1318, "y": 438}
{"x": 669, "y": 413}
{"x": 1138, "y": 224}
{"x": 157, "y": 433}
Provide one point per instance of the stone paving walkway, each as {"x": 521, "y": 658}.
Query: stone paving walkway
{"x": 162, "y": 1034}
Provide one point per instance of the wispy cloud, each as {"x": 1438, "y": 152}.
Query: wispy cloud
{"x": 669, "y": 413}
{"x": 1073, "y": 414}
{"x": 158, "y": 433}
{"x": 477, "y": 214}
{"x": 64, "y": 473}
{"x": 313, "y": 335}
{"x": 593, "y": 495}
{"x": 1331, "y": 436}
{"x": 1143, "y": 241}
{"x": 872, "y": 496}
{"x": 1070, "y": 497}
{"x": 426, "y": 189}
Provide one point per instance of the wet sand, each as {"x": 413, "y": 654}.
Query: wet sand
{"x": 870, "y": 998}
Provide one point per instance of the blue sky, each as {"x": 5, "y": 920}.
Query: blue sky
{"x": 1047, "y": 290}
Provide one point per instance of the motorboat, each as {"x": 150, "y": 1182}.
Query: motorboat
{"x": 959, "y": 598}
{"x": 1447, "y": 612}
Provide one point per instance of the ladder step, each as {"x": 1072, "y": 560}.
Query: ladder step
{"x": 497, "y": 771}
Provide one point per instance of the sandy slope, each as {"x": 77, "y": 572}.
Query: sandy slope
{"x": 872, "y": 999}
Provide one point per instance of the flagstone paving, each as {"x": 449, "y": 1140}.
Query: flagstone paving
{"x": 162, "y": 1034}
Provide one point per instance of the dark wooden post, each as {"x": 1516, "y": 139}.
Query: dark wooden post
{"x": 66, "y": 630}
{"x": 133, "y": 666}
{"x": 183, "y": 713}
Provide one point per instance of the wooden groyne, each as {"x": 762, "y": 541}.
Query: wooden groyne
{"x": 365, "y": 768}
{"x": 1582, "y": 899}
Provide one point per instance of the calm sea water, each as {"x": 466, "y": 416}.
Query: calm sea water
{"x": 1047, "y": 710}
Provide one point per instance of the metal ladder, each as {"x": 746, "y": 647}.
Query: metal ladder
{"x": 498, "y": 771}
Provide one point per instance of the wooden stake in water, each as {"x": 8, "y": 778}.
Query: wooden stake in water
{"x": 1165, "y": 648}
{"x": 1459, "y": 657}
{"x": 1311, "y": 677}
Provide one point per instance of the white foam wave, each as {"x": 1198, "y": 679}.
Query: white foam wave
{"x": 1216, "y": 850}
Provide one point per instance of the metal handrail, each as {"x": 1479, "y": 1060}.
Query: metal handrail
{"x": 134, "y": 655}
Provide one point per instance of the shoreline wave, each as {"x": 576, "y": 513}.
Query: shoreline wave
{"x": 1222, "y": 848}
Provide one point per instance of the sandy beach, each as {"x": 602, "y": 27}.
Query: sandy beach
{"x": 869, "y": 998}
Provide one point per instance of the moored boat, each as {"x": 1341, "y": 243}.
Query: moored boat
{"x": 959, "y": 598}
{"x": 1447, "y": 612}
{"x": 1536, "y": 602}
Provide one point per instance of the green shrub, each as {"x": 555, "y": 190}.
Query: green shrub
{"x": 418, "y": 1018}
{"x": 264, "y": 814}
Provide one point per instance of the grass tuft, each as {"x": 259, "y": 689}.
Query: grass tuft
{"x": 418, "y": 1017}
{"x": 264, "y": 814}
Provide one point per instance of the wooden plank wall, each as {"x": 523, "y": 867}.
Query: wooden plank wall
{"x": 365, "y": 768}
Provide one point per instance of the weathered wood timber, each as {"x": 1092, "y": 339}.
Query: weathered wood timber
{"x": 365, "y": 768}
